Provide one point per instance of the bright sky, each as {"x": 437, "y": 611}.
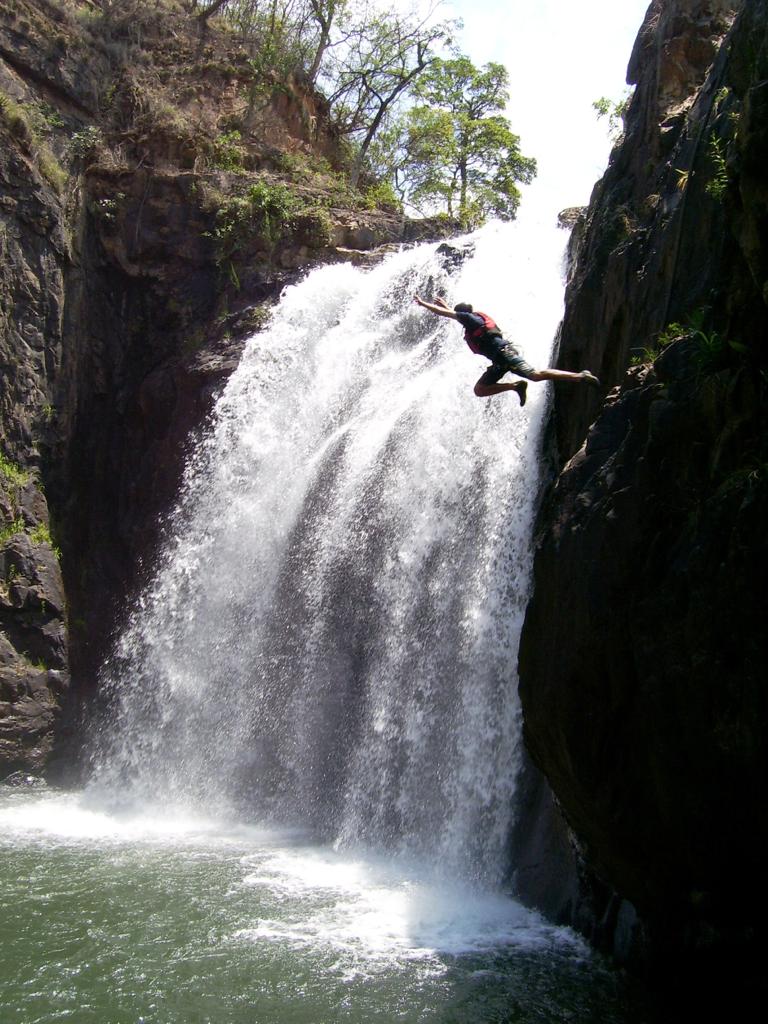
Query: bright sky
{"x": 561, "y": 55}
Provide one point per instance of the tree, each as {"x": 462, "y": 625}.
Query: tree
{"x": 324, "y": 13}
{"x": 363, "y": 56}
{"x": 383, "y": 56}
{"x": 615, "y": 112}
{"x": 453, "y": 150}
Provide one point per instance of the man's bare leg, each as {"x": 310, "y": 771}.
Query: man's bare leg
{"x": 582, "y": 376}
{"x": 486, "y": 390}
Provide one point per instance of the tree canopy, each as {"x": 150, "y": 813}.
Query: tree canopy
{"x": 384, "y": 55}
{"x": 454, "y": 150}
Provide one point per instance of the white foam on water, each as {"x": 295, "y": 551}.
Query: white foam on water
{"x": 374, "y": 910}
{"x": 72, "y": 817}
{"x": 370, "y": 910}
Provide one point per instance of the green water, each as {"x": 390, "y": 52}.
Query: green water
{"x": 160, "y": 921}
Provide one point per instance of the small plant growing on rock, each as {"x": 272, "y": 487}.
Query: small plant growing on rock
{"x": 11, "y": 575}
{"x": 51, "y": 169}
{"x": 85, "y": 142}
{"x": 15, "y": 118}
{"x": 228, "y": 152}
{"x": 15, "y": 476}
{"x": 46, "y": 118}
{"x": 683, "y": 177}
{"x": 266, "y": 207}
{"x": 41, "y": 534}
{"x": 673, "y": 332}
{"x": 14, "y": 527}
{"x": 107, "y": 207}
{"x": 615, "y": 111}
{"x": 88, "y": 17}
{"x": 36, "y": 664}
{"x": 718, "y": 185}
{"x": 257, "y": 318}
{"x": 712, "y": 349}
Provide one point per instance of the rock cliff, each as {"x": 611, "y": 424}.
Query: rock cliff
{"x": 643, "y": 659}
{"x": 157, "y": 191}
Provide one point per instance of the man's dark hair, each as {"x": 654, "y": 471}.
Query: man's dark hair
{"x": 462, "y": 307}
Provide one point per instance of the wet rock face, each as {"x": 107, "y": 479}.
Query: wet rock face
{"x": 34, "y": 253}
{"x": 33, "y": 650}
{"x": 648, "y": 710}
{"x": 643, "y": 654}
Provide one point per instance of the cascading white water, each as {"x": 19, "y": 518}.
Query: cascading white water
{"x": 330, "y": 637}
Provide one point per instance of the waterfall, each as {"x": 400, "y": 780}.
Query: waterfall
{"x": 329, "y": 637}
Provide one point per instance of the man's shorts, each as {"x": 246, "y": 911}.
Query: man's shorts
{"x": 506, "y": 361}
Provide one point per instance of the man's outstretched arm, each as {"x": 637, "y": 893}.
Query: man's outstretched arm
{"x": 439, "y": 306}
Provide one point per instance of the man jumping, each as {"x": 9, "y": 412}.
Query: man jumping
{"x": 484, "y": 338}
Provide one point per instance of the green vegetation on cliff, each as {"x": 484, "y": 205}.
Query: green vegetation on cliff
{"x": 12, "y": 473}
{"x": 247, "y": 86}
{"x": 24, "y": 123}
